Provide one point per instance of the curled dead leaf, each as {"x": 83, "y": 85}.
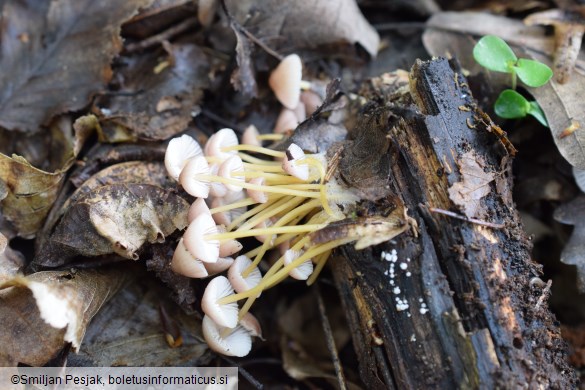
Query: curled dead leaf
{"x": 117, "y": 218}
{"x": 43, "y": 311}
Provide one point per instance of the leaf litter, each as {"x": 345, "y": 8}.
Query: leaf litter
{"x": 128, "y": 209}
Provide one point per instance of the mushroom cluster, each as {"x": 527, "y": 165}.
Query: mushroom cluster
{"x": 247, "y": 190}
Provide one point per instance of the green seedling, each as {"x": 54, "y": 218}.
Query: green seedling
{"x": 512, "y": 105}
{"x": 494, "y": 54}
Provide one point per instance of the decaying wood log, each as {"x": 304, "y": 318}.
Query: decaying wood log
{"x": 458, "y": 305}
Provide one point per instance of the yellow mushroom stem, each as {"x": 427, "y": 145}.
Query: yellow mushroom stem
{"x": 321, "y": 260}
{"x": 264, "y": 231}
{"x": 242, "y": 203}
{"x": 296, "y": 213}
{"x": 271, "y": 280}
{"x": 277, "y": 208}
{"x": 255, "y": 160}
{"x": 255, "y": 210}
{"x": 272, "y": 189}
{"x": 270, "y": 137}
{"x": 255, "y": 149}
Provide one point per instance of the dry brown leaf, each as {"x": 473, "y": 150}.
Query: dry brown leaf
{"x": 11, "y": 262}
{"x": 473, "y": 186}
{"x": 151, "y": 105}
{"x": 448, "y": 34}
{"x": 55, "y": 55}
{"x": 302, "y": 24}
{"x": 129, "y": 331}
{"x": 43, "y": 311}
{"x": 118, "y": 218}
{"x": 573, "y": 213}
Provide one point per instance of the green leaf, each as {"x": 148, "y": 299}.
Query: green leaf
{"x": 533, "y": 73}
{"x": 537, "y": 112}
{"x": 511, "y": 105}
{"x": 494, "y": 54}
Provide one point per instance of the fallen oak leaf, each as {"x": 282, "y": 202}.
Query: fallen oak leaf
{"x": 474, "y": 184}
{"x": 43, "y": 311}
{"x": 573, "y": 213}
{"x": 40, "y": 39}
{"x": 117, "y": 218}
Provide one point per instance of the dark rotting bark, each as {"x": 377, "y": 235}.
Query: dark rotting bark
{"x": 453, "y": 307}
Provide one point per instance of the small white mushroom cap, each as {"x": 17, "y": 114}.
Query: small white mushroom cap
{"x": 237, "y": 343}
{"x": 251, "y": 324}
{"x": 198, "y": 207}
{"x": 290, "y": 164}
{"x": 223, "y": 315}
{"x": 222, "y": 264}
{"x": 285, "y": 81}
{"x": 189, "y": 177}
{"x": 223, "y": 138}
{"x": 217, "y": 190}
{"x": 250, "y": 136}
{"x": 301, "y": 272}
{"x": 228, "y": 247}
{"x": 311, "y": 101}
{"x": 287, "y": 121}
{"x": 232, "y": 168}
{"x": 239, "y": 283}
{"x": 184, "y": 263}
{"x": 195, "y": 241}
{"x": 179, "y": 151}
{"x": 257, "y": 195}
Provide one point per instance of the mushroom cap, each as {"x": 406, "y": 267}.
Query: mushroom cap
{"x": 198, "y": 207}
{"x": 285, "y": 81}
{"x": 184, "y": 263}
{"x": 195, "y": 241}
{"x": 221, "y": 217}
{"x": 311, "y": 101}
{"x": 301, "y": 272}
{"x": 252, "y": 325}
{"x": 223, "y": 315}
{"x": 188, "y": 177}
{"x": 222, "y": 264}
{"x": 238, "y": 343}
{"x": 290, "y": 163}
{"x": 287, "y": 121}
{"x": 239, "y": 283}
{"x": 250, "y": 136}
{"x": 256, "y": 195}
{"x": 223, "y": 138}
{"x": 232, "y": 168}
{"x": 179, "y": 151}
{"x": 228, "y": 247}
{"x": 217, "y": 189}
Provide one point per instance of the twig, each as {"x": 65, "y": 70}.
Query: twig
{"x": 399, "y": 25}
{"x": 220, "y": 120}
{"x": 163, "y": 36}
{"x": 248, "y": 34}
{"x": 545, "y": 291}
{"x": 467, "y": 219}
{"x": 330, "y": 341}
{"x": 242, "y": 371}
